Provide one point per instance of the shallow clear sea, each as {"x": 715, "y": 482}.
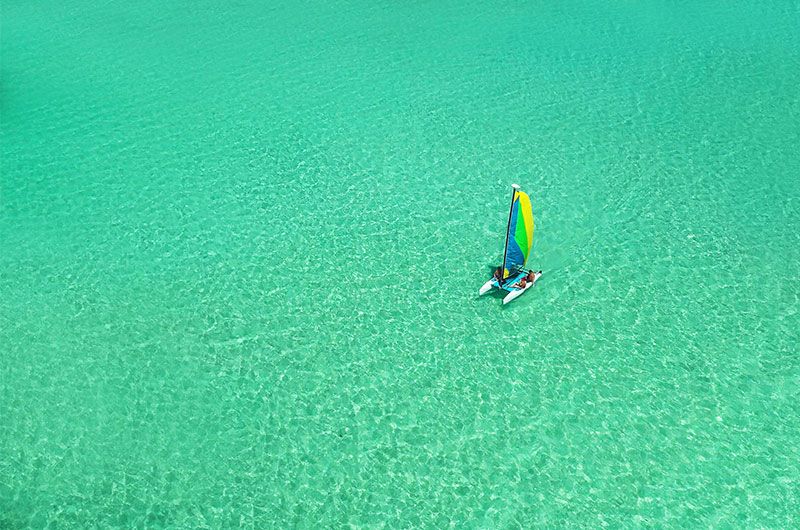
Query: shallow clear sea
{"x": 241, "y": 243}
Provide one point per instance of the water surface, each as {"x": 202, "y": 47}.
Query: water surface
{"x": 241, "y": 247}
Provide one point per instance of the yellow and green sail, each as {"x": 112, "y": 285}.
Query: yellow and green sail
{"x": 520, "y": 234}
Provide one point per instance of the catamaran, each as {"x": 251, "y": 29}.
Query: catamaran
{"x": 519, "y": 240}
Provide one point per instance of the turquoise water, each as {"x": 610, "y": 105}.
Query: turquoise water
{"x": 242, "y": 243}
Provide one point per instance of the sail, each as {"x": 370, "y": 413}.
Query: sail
{"x": 520, "y": 233}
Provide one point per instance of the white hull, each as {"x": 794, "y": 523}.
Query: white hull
{"x": 486, "y": 287}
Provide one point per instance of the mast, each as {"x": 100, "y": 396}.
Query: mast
{"x": 514, "y": 188}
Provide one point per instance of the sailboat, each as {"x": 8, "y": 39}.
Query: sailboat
{"x": 519, "y": 240}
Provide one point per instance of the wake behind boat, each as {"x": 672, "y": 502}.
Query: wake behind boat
{"x": 512, "y": 275}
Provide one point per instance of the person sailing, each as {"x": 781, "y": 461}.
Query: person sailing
{"x": 498, "y": 274}
{"x": 530, "y": 277}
